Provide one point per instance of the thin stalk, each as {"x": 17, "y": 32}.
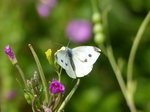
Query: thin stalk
{"x": 69, "y": 96}
{"x": 22, "y": 75}
{"x": 41, "y": 73}
{"x": 94, "y": 5}
{"x": 59, "y": 74}
{"x": 135, "y": 46}
{"x": 116, "y": 70}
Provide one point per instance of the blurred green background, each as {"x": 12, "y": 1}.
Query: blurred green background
{"x": 21, "y": 24}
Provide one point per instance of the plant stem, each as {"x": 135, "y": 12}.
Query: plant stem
{"x": 120, "y": 80}
{"x": 22, "y": 75}
{"x": 131, "y": 61}
{"x": 116, "y": 70}
{"x": 41, "y": 73}
{"x": 95, "y": 9}
{"x": 135, "y": 46}
{"x": 69, "y": 96}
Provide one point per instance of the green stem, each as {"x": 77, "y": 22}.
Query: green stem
{"x": 94, "y": 6}
{"x": 41, "y": 73}
{"x": 69, "y": 96}
{"x": 59, "y": 75}
{"x": 116, "y": 70}
{"x": 134, "y": 48}
{"x": 22, "y": 75}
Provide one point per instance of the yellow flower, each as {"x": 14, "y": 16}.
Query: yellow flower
{"x": 49, "y": 56}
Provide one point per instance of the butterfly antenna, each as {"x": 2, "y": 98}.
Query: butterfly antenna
{"x": 69, "y": 42}
{"x": 56, "y": 43}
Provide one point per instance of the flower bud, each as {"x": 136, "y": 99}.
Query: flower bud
{"x": 28, "y": 96}
{"x": 36, "y": 78}
{"x": 97, "y": 28}
{"x": 10, "y": 54}
{"x": 49, "y": 56}
{"x": 99, "y": 38}
{"x": 96, "y": 17}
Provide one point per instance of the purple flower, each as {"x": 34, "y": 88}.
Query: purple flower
{"x": 48, "y": 111}
{"x": 43, "y": 10}
{"x": 56, "y": 87}
{"x": 9, "y": 52}
{"x": 10, "y": 95}
{"x": 79, "y": 31}
{"x": 45, "y": 6}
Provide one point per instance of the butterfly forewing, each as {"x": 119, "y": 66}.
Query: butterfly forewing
{"x": 88, "y": 54}
{"x": 62, "y": 59}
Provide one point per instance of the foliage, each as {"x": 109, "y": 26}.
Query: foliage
{"x": 21, "y": 24}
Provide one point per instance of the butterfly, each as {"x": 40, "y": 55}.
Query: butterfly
{"x": 78, "y": 62}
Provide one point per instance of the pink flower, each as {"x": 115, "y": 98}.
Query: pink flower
{"x": 45, "y": 6}
{"x": 56, "y": 87}
{"x": 79, "y": 31}
{"x": 43, "y": 10}
{"x": 10, "y": 95}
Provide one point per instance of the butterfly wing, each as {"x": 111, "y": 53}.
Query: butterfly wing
{"x": 81, "y": 68}
{"x": 84, "y": 57}
{"x": 62, "y": 59}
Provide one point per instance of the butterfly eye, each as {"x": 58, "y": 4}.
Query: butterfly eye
{"x": 90, "y": 55}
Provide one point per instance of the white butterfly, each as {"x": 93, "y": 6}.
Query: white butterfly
{"x": 78, "y": 61}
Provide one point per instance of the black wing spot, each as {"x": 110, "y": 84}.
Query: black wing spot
{"x": 90, "y": 55}
{"x": 85, "y": 60}
{"x": 66, "y": 64}
{"x": 62, "y": 61}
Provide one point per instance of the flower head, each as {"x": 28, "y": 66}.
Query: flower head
{"x": 56, "y": 87}
{"x": 43, "y": 10}
{"x": 79, "y": 31}
{"x": 45, "y": 6}
{"x": 9, "y": 52}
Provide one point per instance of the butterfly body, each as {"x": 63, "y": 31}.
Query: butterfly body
{"x": 78, "y": 62}
{"x": 69, "y": 53}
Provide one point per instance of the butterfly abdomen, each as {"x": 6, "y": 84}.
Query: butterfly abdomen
{"x": 69, "y": 53}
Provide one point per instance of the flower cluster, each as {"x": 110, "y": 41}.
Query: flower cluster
{"x": 56, "y": 87}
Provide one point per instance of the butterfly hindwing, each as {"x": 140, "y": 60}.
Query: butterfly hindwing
{"x": 81, "y": 68}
